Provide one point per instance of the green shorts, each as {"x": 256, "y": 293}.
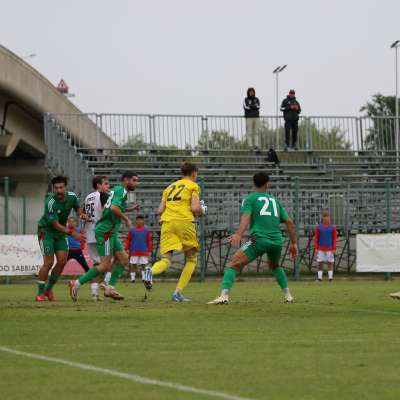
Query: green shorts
{"x": 50, "y": 243}
{"x": 108, "y": 245}
{"x": 257, "y": 247}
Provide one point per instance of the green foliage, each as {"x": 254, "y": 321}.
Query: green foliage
{"x": 321, "y": 139}
{"x": 382, "y": 133}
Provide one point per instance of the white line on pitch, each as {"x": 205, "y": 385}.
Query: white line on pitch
{"x": 130, "y": 377}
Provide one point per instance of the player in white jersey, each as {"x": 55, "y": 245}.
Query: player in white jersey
{"x": 94, "y": 203}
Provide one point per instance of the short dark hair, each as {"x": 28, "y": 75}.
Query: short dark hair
{"x": 98, "y": 180}
{"x": 188, "y": 168}
{"x": 128, "y": 174}
{"x": 139, "y": 216}
{"x": 59, "y": 179}
{"x": 260, "y": 179}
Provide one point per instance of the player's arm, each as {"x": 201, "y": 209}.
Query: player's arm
{"x": 291, "y": 230}
{"x": 196, "y": 207}
{"x": 161, "y": 207}
{"x": 133, "y": 208}
{"x": 334, "y": 239}
{"x": 119, "y": 214}
{"x": 61, "y": 228}
{"x": 237, "y": 236}
{"x": 316, "y": 237}
{"x": 128, "y": 240}
{"x": 149, "y": 243}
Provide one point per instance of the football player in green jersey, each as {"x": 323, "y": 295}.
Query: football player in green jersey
{"x": 108, "y": 244}
{"x": 264, "y": 213}
{"x": 52, "y": 234}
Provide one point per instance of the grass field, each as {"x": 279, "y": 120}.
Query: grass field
{"x": 338, "y": 340}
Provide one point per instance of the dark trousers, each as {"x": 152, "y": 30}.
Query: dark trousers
{"x": 294, "y": 127}
{"x": 77, "y": 255}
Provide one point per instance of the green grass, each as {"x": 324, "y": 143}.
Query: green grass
{"x": 338, "y": 341}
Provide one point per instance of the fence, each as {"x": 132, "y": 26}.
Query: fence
{"x": 208, "y": 132}
{"x": 353, "y": 210}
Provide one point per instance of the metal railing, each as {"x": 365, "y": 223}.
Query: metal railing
{"x": 64, "y": 158}
{"x": 197, "y": 132}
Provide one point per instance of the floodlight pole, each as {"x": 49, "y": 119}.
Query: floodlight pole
{"x": 395, "y": 46}
{"x": 276, "y": 71}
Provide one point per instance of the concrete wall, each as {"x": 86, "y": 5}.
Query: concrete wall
{"x": 25, "y": 96}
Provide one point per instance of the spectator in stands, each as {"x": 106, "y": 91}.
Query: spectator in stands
{"x": 251, "y": 107}
{"x": 325, "y": 245}
{"x": 291, "y": 110}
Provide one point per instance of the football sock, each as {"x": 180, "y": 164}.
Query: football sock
{"x": 90, "y": 275}
{"x": 41, "y": 287}
{"x": 228, "y": 279}
{"x": 320, "y": 274}
{"x": 133, "y": 276}
{"x": 280, "y": 277}
{"x": 52, "y": 281}
{"x": 161, "y": 266}
{"x": 330, "y": 274}
{"x": 107, "y": 277}
{"x": 187, "y": 272}
{"x": 94, "y": 288}
{"x": 116, "y": 273}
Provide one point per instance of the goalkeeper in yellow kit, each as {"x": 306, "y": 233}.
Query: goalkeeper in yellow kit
{"x": 179, "y": 206}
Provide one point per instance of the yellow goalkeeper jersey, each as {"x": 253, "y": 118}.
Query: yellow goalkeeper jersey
{"x": 178, "y": 199}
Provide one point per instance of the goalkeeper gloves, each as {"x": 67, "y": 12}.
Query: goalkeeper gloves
{"x": 203, "y": 206}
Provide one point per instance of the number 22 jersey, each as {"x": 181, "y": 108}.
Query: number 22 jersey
{"x": 178, "y": 199}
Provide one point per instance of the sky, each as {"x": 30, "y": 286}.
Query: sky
{"x": 199, "y": 57}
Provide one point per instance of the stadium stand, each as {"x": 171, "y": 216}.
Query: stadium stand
{"x": 360, "y": 187}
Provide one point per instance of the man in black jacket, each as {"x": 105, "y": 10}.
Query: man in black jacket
{"x": 291, "y": 110}
{"x": 251, "y": 107}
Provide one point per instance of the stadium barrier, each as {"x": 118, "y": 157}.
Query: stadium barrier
{"x": 354, "y": 210}
{"x": 207, "y": 132}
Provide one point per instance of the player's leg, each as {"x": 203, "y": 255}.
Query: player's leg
{"x": 61, "y": 260}
{"x": 105, "y": 248}
{"x": 48, "y": 261}
{"x": 46, "y": 243}
{"x": 82, "y": 260}
{"x": 274, "y": 254}
{"x": 133, "y": 267}
{"x": 188, "y": 237}
{"x": 330, "y": 262}
{"x": 320, "y": 261}
{"x": 120, "y": 262}
{"x": 245, "y": 255}
{"x": 169, "y": 241}
{"x": 94, "y": 256}
{"x": 186, "y": 275}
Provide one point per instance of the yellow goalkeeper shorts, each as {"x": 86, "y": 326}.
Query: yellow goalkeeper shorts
{"x": 178, "y": 235}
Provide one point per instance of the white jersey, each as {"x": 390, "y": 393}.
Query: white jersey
{"x": 94, "y": 211}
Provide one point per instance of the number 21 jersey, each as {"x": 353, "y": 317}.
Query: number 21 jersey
{"x": 178, "y": 199}
{"x": 267, "y": 213}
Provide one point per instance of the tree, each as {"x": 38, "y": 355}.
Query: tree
{"x": 381, "y": 110}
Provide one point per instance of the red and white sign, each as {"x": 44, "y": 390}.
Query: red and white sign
{"x": 62, "y": 87}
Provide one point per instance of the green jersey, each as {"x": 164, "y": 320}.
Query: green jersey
{"x": 57, "y": 211}
{"x": 267, "y": 213}
{"x": 109, "y": 223}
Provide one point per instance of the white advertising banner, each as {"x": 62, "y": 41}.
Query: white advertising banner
{"x": 378, "y": 253}
{"x": 19, "y": 255}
